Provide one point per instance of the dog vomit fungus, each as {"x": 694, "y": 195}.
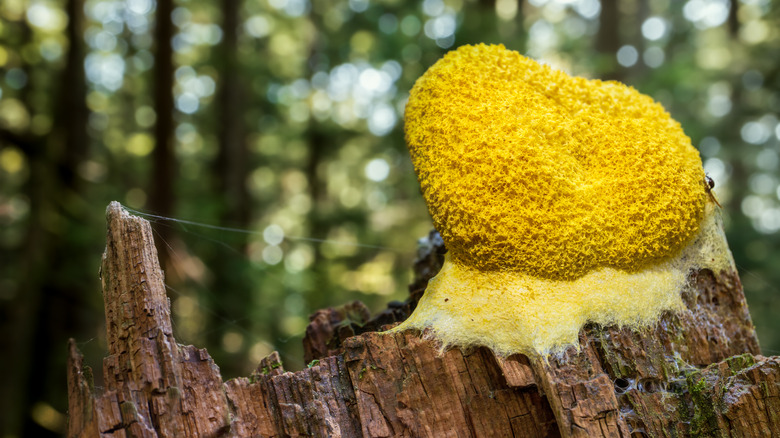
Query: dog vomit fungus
{"x": 561, "y": 201}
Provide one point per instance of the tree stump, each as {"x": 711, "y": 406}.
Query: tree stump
{"x": 694, "y": 373}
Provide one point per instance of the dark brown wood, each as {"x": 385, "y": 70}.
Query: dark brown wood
{"x": 695, "y": 373}
{"x": 406, "y": 386}
{"x": 157, "y": 385}
{"x": 328, "y": 327}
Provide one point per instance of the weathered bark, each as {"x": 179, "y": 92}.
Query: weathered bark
{"x": 696, "y": 372}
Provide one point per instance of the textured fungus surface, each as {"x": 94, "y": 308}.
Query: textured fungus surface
{"x": 512, "y": 312}
{"x": 561, "y": 200}
{"x": 527, "y": 169}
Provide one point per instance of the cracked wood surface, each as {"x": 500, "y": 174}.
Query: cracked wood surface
{"x": 695, "y": 373}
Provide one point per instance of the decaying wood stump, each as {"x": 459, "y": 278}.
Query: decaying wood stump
{"x": 695, "y": 373}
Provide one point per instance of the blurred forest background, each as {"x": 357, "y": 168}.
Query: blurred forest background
{"x": 284, "y": 118}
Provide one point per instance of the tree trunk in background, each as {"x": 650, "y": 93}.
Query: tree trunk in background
{"x": 733, "y": 20}
{"x": 637, "y": 39}
{"x": 232, "y": 165}
{"x": 231, "y": 170}
{"x": 489, "y": 6}
{"x": 21, "y": 318}
{"x": 695, "y": 372}
{"x": 317, "y": 141}
{"x": 19, "y": 314}
{"x": 73, "y": 111}
{"x": 164, "y": 167}
{"x": 608, "y": 40}
{"x": 48, "y": 301}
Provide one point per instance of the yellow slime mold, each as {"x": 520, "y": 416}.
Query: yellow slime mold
{"x": 561, "y": 201}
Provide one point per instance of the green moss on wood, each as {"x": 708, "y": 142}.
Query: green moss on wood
{"x": 739, "y": 363}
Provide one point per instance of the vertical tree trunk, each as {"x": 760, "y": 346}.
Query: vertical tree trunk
{"x": 45, "y": 301}
{"x": 231, "y": 170}
{"x": 21, "y": 318}
{"x": 232, "y": 165}
{"x": 733, "y": 20}
{"x": 317, "y": 141}
{"x": 608, "y": 39}
{"x": 161, "y": 189}
{"x": 73, "y": 111}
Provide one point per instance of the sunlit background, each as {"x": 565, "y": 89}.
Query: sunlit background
{"x": 282, "y": 119}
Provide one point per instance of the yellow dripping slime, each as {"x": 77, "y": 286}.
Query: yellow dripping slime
{"x": 561, "y": 201}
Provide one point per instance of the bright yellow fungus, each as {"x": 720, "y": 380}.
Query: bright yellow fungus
{"x": 561, "y": 201}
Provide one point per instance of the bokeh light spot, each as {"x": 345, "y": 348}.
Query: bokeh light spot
{"x": 654, "y": 57}
{"x": 11, "y": 160}
{"x": 377, "y": 169}
{"x": 139, "y": 144}
{"x": 273, "y": 234}
{"x": 272, "y": 254}
{"x": 654, "y": 28}
{"x": 232, "y": 342}
{"x": 627, "y": 56}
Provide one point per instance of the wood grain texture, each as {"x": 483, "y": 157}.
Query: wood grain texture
{"x": 694, "y": 373}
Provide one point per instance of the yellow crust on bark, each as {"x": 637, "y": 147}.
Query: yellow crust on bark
{"x": 513, "y": 312}
{"x": 561, "y": 201}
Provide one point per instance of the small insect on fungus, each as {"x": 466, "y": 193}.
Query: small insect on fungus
{"x": 709, "y": 184}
